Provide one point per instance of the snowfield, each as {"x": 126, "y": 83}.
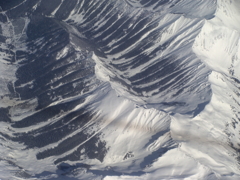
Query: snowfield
{"x": 120, "y": 89}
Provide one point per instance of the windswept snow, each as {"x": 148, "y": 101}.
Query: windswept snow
{"x": 113, "y": 89}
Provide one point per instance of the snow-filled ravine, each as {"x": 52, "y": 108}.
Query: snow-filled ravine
{"x": 119, "y": 89}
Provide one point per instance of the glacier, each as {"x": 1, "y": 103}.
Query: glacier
{"x": 119, "y": 89}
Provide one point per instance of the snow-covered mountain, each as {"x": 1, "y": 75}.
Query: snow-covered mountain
{"x": 119, "y": 89}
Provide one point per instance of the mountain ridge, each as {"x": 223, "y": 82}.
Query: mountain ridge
{"x": 119, "y": 90}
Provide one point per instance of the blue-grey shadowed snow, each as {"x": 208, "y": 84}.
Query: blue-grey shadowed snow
{"x": 78, "y": 171}
{"x": 114, "y": 29}
{"x": 47, "y": 7}
{"x": 21, "y": 9}
{"x": 36, "y": 78}
{"x": 3, "y": 18}
{"x": 56, "y": 70}
{"x": 65, "y": 169}
{"x": 4, "y": 115}
{"x": 41, "y": 68}
{"x": 65, "y": 9}
{"x": 8, "y": 4}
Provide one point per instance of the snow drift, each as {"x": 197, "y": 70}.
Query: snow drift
{"x": 116, "y": 89}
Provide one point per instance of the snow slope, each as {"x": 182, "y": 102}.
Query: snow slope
{"x": 118, "y": 89}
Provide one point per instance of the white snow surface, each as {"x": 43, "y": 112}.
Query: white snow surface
{"x": 203, "y": 144}
{"x": 198, "y": 146}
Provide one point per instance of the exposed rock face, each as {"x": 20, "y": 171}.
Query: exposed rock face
{"x": 119, "y": 89}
